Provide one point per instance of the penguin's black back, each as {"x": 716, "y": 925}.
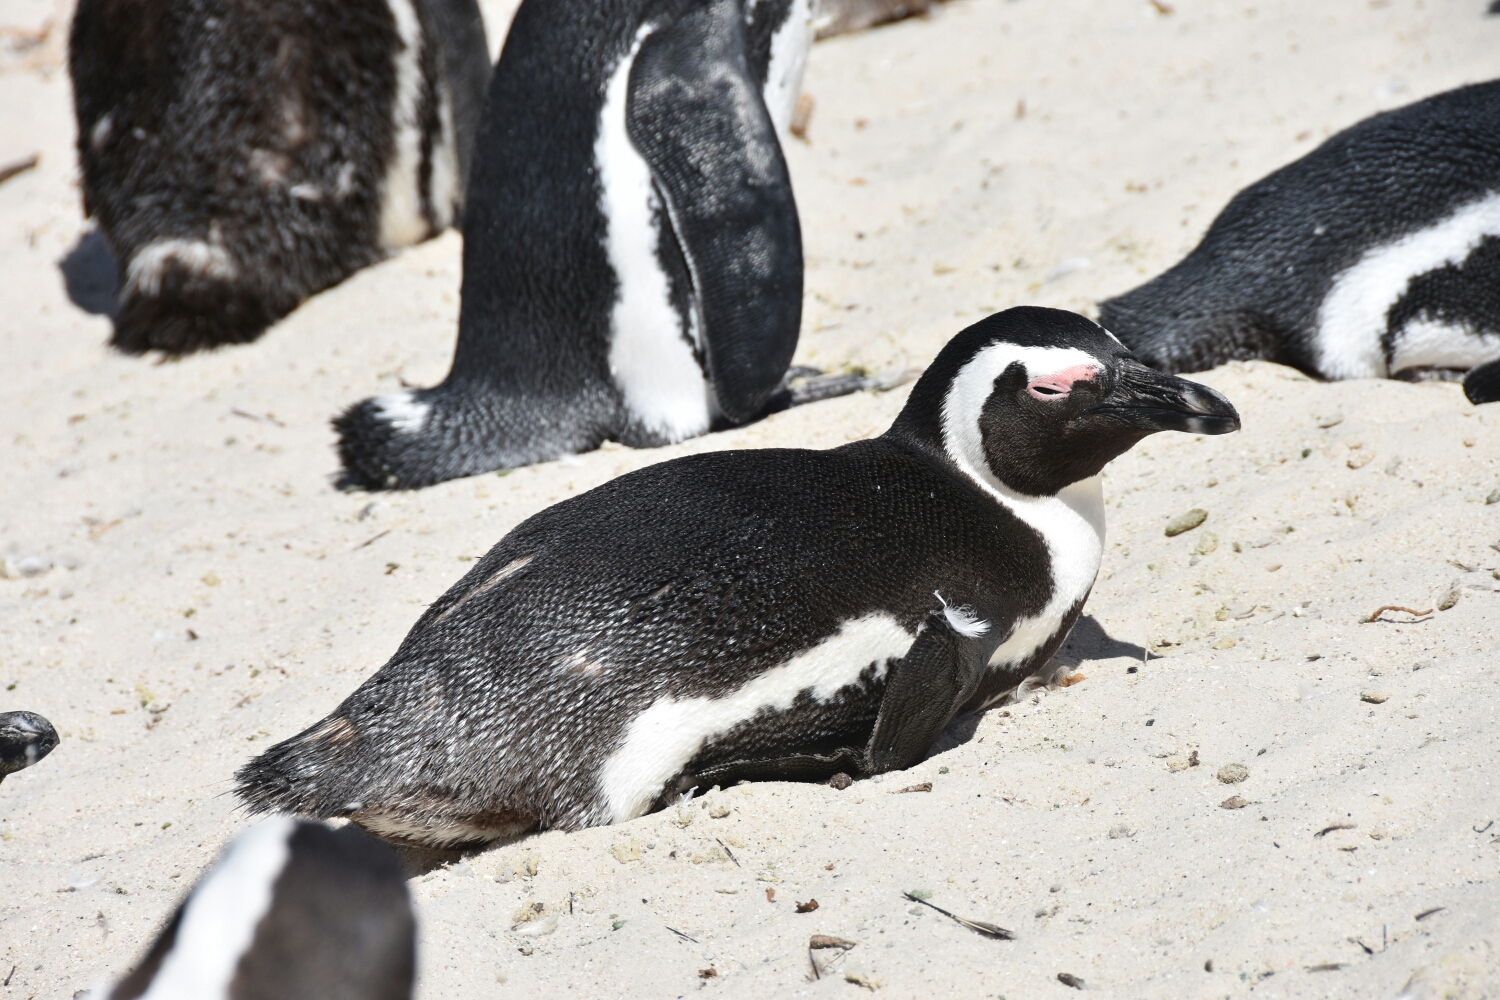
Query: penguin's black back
{"x": 769, "y": 553}
{"x": 1253, "y": 287}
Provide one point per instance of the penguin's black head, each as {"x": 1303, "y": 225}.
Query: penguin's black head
{"x": 1037, "y": 399}
{"x": 25, "y": 738}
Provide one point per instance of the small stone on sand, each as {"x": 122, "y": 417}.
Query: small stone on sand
{"x": 1233, "y": 774}
{"x": 1186, "y": 521}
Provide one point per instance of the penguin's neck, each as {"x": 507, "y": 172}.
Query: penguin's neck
{"x": 1071, "y": 525}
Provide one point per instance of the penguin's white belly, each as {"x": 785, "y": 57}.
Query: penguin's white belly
{"x": 1352, "y": 317}
{"x": 650, "y": 356}
{"x": 659, "y": 743}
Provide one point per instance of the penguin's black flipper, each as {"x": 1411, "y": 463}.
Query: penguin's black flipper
{"x": 922, "y": 692}
{"x": 1482, "y": 384}
{"x": 696, "y": 115}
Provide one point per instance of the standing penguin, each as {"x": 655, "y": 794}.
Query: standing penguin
{"x": 632, "y": 255}
{"x": 240, "y": 157}
{"x": 1376, "y": 255}
{"x": 292, "y": 911}
{"x": 777, "y": 613}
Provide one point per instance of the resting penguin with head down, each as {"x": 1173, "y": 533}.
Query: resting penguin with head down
{"x": 25, "y": 738}
{"x": 779, "y": 613}
{"x": 241, "y": 156}
{"x": 1377, "y": 255}
{"x": 632, "y": 254}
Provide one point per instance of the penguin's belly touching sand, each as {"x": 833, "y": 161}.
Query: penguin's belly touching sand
{"x": 632, "y": 251}
{"x": 1377, "y": 255}
{"x": 240, "y": 157}
{"x": 780, "y": 613}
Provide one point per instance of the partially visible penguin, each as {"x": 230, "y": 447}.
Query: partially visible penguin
{"x": 760, "y": 614}
{"x": 1375, "y": 255}
{"x": 291, "y": 911}
{"x": 632, "y": 253}
{"x": 241, "y": 156}
{"x": 25, "y": 738}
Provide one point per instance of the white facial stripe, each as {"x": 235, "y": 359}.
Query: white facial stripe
{"x": 403, "y": 411}
{"x": 661, "y": 740}
{"x": 648, "y": 358}
{"x": 219, "y": 919}
{"x": 789, "y": 47}
{"x": 1070, "y": 523}
{"x": 1352, "y": 317}
{"x": 401, "y": 219}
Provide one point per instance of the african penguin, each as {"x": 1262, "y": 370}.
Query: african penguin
{"x": 777, "y": 613}
{"x": 1377, "y": 255}
{"x": 291, "y": 910}
{"x": 25, "y": 738}
{"x": 240, "y": 157}
{"x": 632, "y": 254}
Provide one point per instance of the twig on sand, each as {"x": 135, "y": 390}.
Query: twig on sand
{"x": 1427, "y": 913}
{"x": 371, "y": 541}
{"x": 978, "y": 926}
{"x": 9, "y": 170}
{"x": 1394, "y": 607}
{"x": 679, "y": 933}
{"x": 730, "y": 853}
{"x": 820, "y": 941}
{"x": 1337, "y": 826}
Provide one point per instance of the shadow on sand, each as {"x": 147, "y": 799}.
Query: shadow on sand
{"x": 90, "y": 275}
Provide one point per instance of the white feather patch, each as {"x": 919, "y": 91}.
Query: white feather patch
{"x": 1071, "y": 523}
{"x": 963, "y": 619}
{"x": 209, "y": 259}
{"x": 401, "y": 219}
{"x": 661, "y": 740}
{"x": 1352, "y": 318}
{"x": 651, "y": 363}
{"x": 403, "y": 411}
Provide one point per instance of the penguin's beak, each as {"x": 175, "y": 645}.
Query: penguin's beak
{"x": 1145, "y": 398}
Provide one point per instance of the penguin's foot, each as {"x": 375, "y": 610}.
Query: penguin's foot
{"x": 183, "y": 311}
{"x": 1482, "y": 384}
{"x": 802, "y": 384}
{"x": 25, "y": 738}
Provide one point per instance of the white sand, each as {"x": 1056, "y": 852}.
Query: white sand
{"x": 186, "y": 506}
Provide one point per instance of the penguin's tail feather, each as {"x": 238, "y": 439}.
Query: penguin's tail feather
{"x": 181, "y": 296}
{"x": 315, "y": 773}
{"x": 418, "y": 437}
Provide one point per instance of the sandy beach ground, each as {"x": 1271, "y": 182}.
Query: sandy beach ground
{"x": 210, "y": 592}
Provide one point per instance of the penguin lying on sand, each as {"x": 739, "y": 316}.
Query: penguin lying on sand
{"x": 25, "y": 738}
{"x": 632, "y": 255}
{"x": 1375, "y": 255}
{"x": 241, "y": 156}
{"x": 761, "y": 614}
{"x": 293, "y": 911}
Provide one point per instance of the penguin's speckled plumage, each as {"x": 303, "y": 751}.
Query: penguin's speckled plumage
{"x": 241, "y": 157}
{"x": 290, "y": 910}
{"x": 632, "y": 253}
{"x": 1375, "y": 255}
{"x": 752, "y": 614}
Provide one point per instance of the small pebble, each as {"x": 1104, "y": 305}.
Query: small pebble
{"x": 1068, "y": 979}
{"x": 1494, "y": 497}
{"x": 1234, "y": 802}
{"x": 1207, "y": 542}
{"x": 1449, "y": 598}
{"x": 1228, "y": 642}
{"x": 840, "y": 781}
{"x": 1186, "y": 521}
{"x": 1374, "y": 698}
{"x": 1233, "y": 774}
{"x": 1360, "y": 459}
{"x": 1120, "y": 831}
{"x": 1332, "y": 420}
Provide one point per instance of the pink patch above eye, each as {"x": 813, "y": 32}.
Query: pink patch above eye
{"x": 1058, "y": 385}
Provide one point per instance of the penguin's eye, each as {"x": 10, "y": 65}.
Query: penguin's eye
{"x": 1048, "y": 389}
